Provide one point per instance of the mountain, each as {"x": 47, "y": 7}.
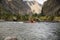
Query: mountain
{"x": 51, "y": 8}
{"x": 22, "y": 7}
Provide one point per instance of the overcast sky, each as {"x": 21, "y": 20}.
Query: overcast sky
{"x": 41, "y": 1}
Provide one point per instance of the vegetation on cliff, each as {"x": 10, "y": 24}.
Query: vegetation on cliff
{"x": 8, "y": 16}
{"x": 50, "y": 13}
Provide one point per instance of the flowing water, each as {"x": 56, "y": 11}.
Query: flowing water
{"x": 30, "y": 31}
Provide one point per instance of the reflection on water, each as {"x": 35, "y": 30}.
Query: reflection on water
{"x": 30, "y": 31}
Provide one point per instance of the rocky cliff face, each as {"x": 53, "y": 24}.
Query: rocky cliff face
{"x": 22, "y": 7}
{"x": 51, "y": 7}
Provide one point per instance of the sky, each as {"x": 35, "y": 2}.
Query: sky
{"x": 41, "y": 1}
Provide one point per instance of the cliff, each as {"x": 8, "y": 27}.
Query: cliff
{"x": 51, "y": 8}
{"x": 22, "y": 7}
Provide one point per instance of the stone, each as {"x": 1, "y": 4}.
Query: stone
{"x": 10, "y": 38}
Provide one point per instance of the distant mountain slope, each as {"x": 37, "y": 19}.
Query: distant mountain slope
{"x": 22, "y": 7}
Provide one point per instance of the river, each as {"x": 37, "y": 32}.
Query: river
{"x": 30, "y": 31}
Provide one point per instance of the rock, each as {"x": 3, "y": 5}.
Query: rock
{"x": 51, "y": 8}
{"x": 10, "y": 38}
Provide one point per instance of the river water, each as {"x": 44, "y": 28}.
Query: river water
{"x": 30, "y": 31}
